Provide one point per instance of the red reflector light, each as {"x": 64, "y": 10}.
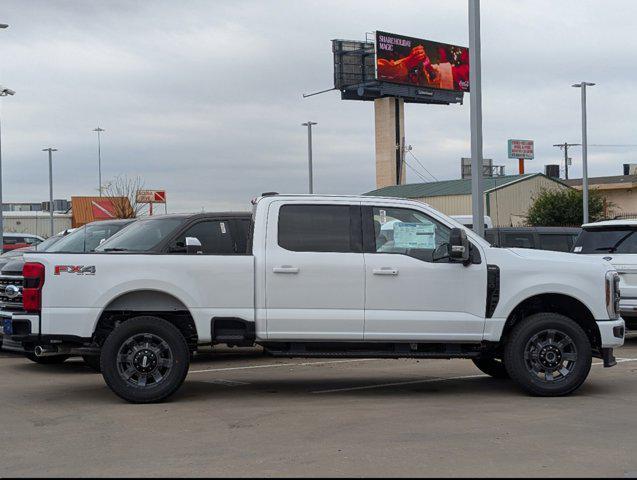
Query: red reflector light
{"x": 33, "y": 274}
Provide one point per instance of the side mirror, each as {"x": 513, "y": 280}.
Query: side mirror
{"x": 193, "y": 246}
{"x": 459, "y": 246}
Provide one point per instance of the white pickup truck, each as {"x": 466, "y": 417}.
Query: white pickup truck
{"x": 321, "y": 276}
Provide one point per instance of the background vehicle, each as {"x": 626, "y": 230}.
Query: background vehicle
{"x": 317, "y": 279}
{"x": 41, "y": 247}
{"x": 616, "y": 242}
{"x": 559, "y": 239}
{"x": 12, "y": 241}
{"x": 467, "y": 221}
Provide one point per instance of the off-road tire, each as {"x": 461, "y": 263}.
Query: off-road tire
{"x": 123, "y": 335}
{"x": 523, "y": 335}
{"x": 53, "y": 360}
{"x": 92, "y": 362}
{"x": 491, "y": 366}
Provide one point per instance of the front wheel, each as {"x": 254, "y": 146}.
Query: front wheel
{"x": 548, "y": 354}
{"x": 145, "y": 359}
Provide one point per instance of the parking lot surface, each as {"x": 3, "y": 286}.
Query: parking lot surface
{"x": 242, "y": 413}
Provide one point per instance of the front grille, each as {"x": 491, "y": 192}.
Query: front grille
{"x": 11, "y": 292}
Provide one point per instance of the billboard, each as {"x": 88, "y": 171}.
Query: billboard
{"x": 521, "y": 149}
{"x": 151, "y": 196}
{"x": 422, "y": 63}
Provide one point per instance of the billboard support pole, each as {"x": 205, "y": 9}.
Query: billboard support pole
{"x": 521, "y": 166}
{"x": 477, "y": 184}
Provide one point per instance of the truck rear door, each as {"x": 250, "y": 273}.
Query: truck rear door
{"x": 314, "y": 271}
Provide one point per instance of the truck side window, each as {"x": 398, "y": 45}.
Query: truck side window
{"x": 557, "y": 242}
{"x": 518, "y": 240}
{"x": 315, "y": 228}
{"x": 409, "y": 232}
{"x": 214, "y": 235}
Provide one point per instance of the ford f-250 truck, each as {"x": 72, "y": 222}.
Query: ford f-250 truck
{"x": 324, "y": 276}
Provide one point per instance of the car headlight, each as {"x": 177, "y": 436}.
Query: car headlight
{"x": 612, "y": 294}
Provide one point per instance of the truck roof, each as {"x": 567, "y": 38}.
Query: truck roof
{"x": 611, "y": 223}
{"x": 201, "y": 215}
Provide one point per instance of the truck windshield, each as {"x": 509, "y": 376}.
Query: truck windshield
{"x": 141, "y": 236}
{"x": 611, "y": 240}
{"x": 86, "y": 238}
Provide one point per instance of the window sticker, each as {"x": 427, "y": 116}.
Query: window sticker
{"x": 577, "y": 249}
{"x": 223, "y": 227}
{"x": 414, "y": 235}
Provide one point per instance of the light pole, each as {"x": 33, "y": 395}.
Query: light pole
{"x": 309, "y": 151}
{"x": 475, "y": 82}
{"x": 583, "y": 86}
{"x": 99, "y": 156}
{"x": 50, "y": 150}
{"x": 3, "y": 93}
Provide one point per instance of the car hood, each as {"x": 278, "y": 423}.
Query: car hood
{"x": 13, "y": 267}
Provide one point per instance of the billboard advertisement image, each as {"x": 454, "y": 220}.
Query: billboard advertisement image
{"x": 422, "y": 63}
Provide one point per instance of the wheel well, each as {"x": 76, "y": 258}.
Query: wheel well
{"x": 146, "y": 302}
{"x": 555, "y": 303}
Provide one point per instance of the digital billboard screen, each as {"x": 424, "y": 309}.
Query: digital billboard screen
{"x": 422, "y": 63}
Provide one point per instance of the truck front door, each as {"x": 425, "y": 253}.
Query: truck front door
{"x": 412, "y": 293}
{"x": 314, "y": 274}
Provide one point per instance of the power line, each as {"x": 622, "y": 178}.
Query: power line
{"x": 424, "y": 168}
{"x": 415, "y": 171}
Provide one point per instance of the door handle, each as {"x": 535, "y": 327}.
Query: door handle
{"x": 385, "y": 271}
{"x": 285, "y": 269}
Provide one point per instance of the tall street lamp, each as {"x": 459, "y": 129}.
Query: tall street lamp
{"x": 99, "y": 156}
{"x": 3, "y": 93}
{"x": 50, "y": 150}
{"x": 309, "y": 153}
{"x": 583, "y": 86}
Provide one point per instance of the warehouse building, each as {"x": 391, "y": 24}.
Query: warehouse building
{"x": 620, "y": 192}
{"x": 506, "y": 198}
{"x": 36, "y": 223}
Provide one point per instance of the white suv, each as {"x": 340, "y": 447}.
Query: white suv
{"x": 616, "y": 242}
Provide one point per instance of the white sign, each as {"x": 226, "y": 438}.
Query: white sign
{"x": 521, "y": 149}
{"x": 414, "y": 235}
{"x": 151, "y": 196}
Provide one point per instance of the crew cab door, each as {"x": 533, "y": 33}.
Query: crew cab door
{"x": 314, "y": 271}
{"x": 411, "y": 294}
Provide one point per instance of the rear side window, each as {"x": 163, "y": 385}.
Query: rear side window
{"x": 517, "y": 240}
{"x": 315, "y": 228}
{"x": 558, "y": 243}
{"x": 215, "y": 237}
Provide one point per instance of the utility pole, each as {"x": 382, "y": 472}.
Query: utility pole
{"x": 564, "y": 146}
{"x": 99, "y": 157}
{"x": 309, "y": 153}
{"x": 582, "y": 86}
{"x": 477, "y": 183}
{"x": 50, "y": 150}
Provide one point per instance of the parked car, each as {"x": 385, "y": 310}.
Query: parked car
{"x": 559, "y": 239}
{"x": 11, "y": 241}
{"x": 316, "y": 279}
{"x": 616, "y": 242}
{"x": 42, "y": 246}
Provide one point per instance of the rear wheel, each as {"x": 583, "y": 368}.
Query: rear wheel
{"x": 548, "y": 354}
{"x": 145, "y": 359}
{"x": 52, "y": 360}
{"x": 491, "y": 366}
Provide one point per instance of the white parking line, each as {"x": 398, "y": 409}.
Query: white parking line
{"x": 437, "y": 379}
{"x": 275, "y": 365}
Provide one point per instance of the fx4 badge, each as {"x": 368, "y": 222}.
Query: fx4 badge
{"x": 76, "y": 269}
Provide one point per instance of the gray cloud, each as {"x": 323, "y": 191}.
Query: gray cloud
{"x": 204, "y": 98}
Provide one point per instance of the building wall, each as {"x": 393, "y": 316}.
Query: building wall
{"x": 36, "y": 223}
{"x": 450, "y": 204}
{"x": 508, "y": 205}
{"x": 624, "y": 200}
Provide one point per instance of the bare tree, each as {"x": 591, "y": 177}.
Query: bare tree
{"x": 122, "y": 192}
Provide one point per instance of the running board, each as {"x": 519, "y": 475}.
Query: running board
{"x": 398, "y": 350}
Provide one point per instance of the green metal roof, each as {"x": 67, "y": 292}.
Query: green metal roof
{"x": 448, "y": 187}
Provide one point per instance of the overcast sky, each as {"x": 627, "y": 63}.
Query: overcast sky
{"x": 203, "y": 98}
